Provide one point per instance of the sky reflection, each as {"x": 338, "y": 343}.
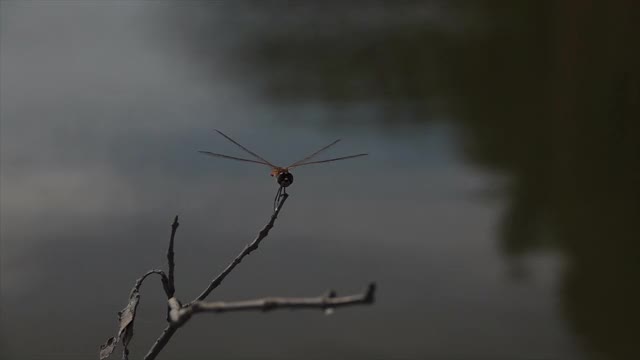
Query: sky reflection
{"x": 102, "y": 115}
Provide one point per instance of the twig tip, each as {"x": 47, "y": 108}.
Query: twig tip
{"x": 370, "y": 294}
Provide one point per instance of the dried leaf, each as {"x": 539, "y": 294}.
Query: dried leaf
{"x": 125, "y": 331}
{"x": 107, "y": 348}
{"x": 128, "y": 314}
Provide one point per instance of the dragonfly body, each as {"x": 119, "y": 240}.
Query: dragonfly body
{"x": 282, "y": 174}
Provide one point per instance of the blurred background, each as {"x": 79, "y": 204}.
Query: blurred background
{"x": 498, "y": 209}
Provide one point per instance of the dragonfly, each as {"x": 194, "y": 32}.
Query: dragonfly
{"x": 282, "y": 174}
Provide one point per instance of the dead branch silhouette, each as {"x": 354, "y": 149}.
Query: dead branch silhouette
{"x": 178, "y": 314}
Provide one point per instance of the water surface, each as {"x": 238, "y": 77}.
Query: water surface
{"x": 495, "y": 212}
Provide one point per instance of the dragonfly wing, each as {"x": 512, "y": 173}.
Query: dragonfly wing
{"x": 245, "y": 149}
{"x": 233, "y": 158}
{"x": 327, "y": 160}
{"x": 314, "y": 154}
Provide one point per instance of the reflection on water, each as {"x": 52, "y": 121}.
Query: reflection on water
{"x": 103, "y": 107}
{"x": 546, "y": 93}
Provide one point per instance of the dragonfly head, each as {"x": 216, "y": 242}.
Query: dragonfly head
{"x": 283, "y": 176}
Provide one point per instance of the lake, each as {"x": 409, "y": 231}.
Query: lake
{"x": 497, "y": 210}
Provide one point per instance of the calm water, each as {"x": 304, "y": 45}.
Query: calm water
{"x": 497, "y": 211}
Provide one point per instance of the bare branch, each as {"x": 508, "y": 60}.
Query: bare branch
{"x": 172, "y": 328}
{"x": 161, "y": 341}
{"x": 180, "y": 315}
{"x": 170, "y": 257}
{"x": 247, "y": 250}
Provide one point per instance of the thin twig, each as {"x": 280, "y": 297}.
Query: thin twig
{"x": 163, "y": 278}
{"x": 180, "y": 315}
{"x": 170, "y": 256}
{"x": 168, "y": 332}
{"x": 247, "y": 250}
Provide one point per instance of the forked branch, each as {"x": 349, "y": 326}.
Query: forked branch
{"x": 178, "y": 314}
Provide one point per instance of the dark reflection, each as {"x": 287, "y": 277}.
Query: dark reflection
{"x": 545, "y": 92}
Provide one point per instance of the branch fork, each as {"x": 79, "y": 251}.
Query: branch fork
{"x": 178, "y": 314}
